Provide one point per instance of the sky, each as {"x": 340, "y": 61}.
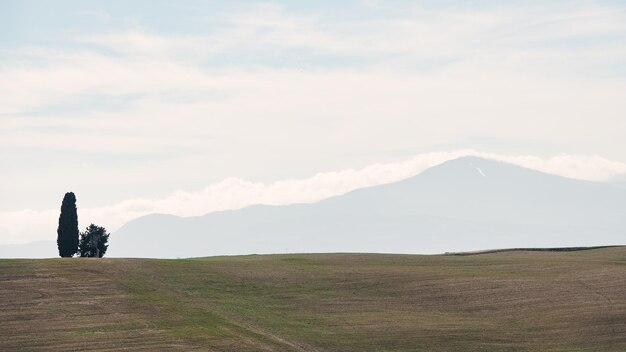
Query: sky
{"x": 192, "y": 106}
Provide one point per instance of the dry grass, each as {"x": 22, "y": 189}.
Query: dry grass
{"x": 505, "y": 301}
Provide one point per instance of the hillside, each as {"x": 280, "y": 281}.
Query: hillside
{"x": 505, "y": 301}
{"x": 465, "y": 204}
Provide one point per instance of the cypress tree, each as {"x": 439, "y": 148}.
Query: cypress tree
{"x": 67, "y": 233}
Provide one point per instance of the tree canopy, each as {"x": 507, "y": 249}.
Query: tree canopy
{"x": 93, "y": 242}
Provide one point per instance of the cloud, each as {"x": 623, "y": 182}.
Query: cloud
{"x": 234, "y": 193}
{"x": 139, "y": 62}
{"x": 409, "y": 75}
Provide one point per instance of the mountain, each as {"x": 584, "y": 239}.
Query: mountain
{"x": 465, "y": 204}
{"x": 619, "y": 181}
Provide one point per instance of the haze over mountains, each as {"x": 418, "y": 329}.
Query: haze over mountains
{"x": 619, "y": 181}
{"x": 465, "y": 204}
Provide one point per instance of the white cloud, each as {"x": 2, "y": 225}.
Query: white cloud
{"x": 233, "y": 193}
{"x": 504, "y": 41}
{"x": 486, "y": 80}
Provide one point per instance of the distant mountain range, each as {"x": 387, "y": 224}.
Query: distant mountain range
{"x": 465, "y": 204}
{"x": 38, "y": 249}
{"x": 619, "y": 181}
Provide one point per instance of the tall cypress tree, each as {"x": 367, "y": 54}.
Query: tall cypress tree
{"x": 67, "y": 233}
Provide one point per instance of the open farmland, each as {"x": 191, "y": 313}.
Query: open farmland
{"x": 502, "y": 301}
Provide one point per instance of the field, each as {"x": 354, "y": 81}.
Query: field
{"x": 502, "y": 301}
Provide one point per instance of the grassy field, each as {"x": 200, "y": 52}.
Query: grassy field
{"x": 503, "y": 301}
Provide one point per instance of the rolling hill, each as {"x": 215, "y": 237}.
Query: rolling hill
{"x": 465, "y": 204}
{"x": 505, "y": 301}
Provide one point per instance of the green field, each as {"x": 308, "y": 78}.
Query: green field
{"x": 503, "y": 301}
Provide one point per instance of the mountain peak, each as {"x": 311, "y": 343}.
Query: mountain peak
{"x": 472, "y": 167}
{"x": 473, "y": 161}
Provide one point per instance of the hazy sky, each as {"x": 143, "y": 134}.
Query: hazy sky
{"x": 149, "y": 106}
